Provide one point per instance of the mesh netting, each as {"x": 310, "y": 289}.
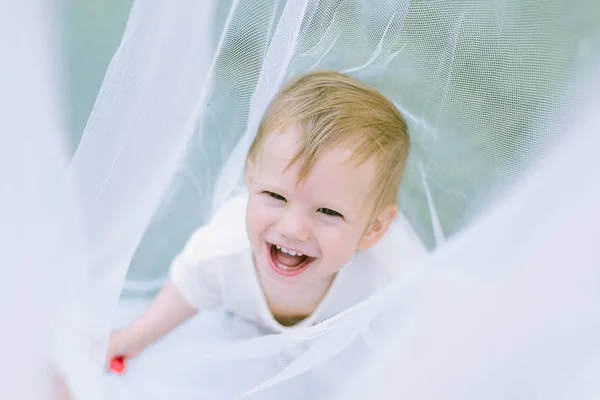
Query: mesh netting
{"x": 489, "y": 89}
{"x": 471, "y": 79}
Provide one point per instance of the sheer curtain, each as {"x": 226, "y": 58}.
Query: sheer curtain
{"x": 491, "y": 92}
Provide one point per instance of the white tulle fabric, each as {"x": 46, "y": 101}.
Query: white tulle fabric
{"x": 505, "y": 306}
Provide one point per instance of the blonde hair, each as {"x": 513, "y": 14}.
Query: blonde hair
{"x": 333, "y": 109}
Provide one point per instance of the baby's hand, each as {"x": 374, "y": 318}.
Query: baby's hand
{"x": 59, "y": 388}
{"x": 123, "y": 343}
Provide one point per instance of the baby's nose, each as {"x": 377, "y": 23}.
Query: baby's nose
{"x": 293, "y": 227}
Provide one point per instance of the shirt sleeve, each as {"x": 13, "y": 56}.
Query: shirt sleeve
{"x": 193, "y": 275}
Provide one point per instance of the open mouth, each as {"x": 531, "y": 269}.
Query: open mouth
{"x": 287, "y": 262}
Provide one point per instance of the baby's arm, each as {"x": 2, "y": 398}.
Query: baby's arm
{"x": 194, "y": 285}
{"x": 168, "y": 310}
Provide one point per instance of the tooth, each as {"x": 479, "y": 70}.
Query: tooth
{"x": 292, "y": 253}
{"x": 283, "y": 267}
{"x": 284, "y": 250}
{"x": 278, "y": 247}
{"x": 299, "y": 254}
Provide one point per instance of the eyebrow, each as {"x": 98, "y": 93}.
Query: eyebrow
{"x": 270, "y": 184}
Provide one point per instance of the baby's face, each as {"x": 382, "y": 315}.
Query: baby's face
{"x": 306, "y": 232}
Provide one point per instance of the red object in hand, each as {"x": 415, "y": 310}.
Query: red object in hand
{"x": 117, "y": 365}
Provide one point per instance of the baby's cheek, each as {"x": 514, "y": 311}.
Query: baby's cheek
{"x": 258, "y": 217}
{"x": 252, "y": 219}
{"x": 341, "y": 247}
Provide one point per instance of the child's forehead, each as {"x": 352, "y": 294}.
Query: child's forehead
{"x": 333, "y": 172}
{"x": 280, "y": 149}
{"x": 281, "y": 144}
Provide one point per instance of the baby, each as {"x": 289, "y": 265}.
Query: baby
{"x": 322, "y": 176}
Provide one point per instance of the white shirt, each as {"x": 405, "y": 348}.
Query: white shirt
{"x": 216, "y": 268}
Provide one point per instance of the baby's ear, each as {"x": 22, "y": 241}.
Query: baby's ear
{"x": 378, "y": 226}
{"x": 249, "y": 171}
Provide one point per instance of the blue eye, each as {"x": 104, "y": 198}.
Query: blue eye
{"x": 275, "y": 196}
{"x": 329, "y": 212}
